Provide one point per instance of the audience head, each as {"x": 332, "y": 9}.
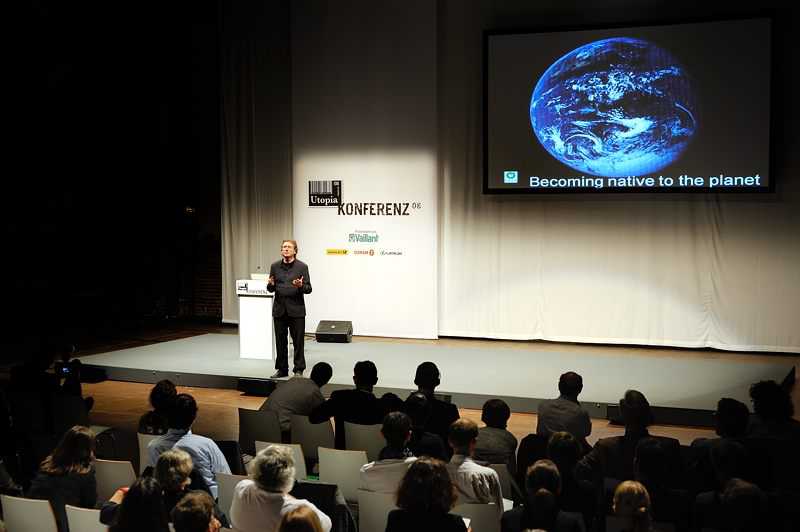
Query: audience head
{"x": 173, "y": 469}
{"x": 635, "y": 410}
{"x": 543, "y": 484}
{"x": 564, "y": 450}
{"x": 321, "y": 373}
{"x": 543, "y": 474}
{"x": 365, "y": 374}
{"x": 462, "y": 435}
{"x": 631, "y": 501}
{"x": 496, "y": 413}
{"x": 301, "y": 519}
{"x": 183, "y": 412}
{"x": 731, "y": 417}
{"x": 396, "y": 429}
{"x": 729, "y": 460}
{"x": 570, "y": 384}
{"x": 427, "y": 488}
{"x": 73, "y": 454}
{"x": 273, "y": 469}
{"x": 195, "y": 513}
{"x": 650, "y": 462}
{"x": 745, "y": 506}
{"x": 418, "y": 408}
{"x": 162, "y": 396}
{"x": 427, "y": 377}
{"x": 771, "y": 402}
{"x": 142, "y": 508}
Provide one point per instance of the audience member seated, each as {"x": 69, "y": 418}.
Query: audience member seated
{"x": 541, "y": 508}
{"x": 358, "y": 405}
{"x": 206, "y": 456}
{"x": 162, "y": 397}
{"x": 650, "y": 467}
{"x": 773, "y": 412}
{"x": 301, "y": 519}
{"x": 260, "y": 501}
{"x": 496, "y": 445}
{"x": 195, "y": 513}
{"x": 475, "y": 483}
{"x": 72, "y": 379}
{"x": 442, "y": 414}
{"x": 632, "y": 504}
{"x": 177, "y": 476}
{"x": 423, "y": 443}
{"x": 385, "y": 474}
{"x": 728, "y": 460}
{"x": 576, "y": 496}
{"x": 67, "y": 475}
{"x": 424, "y": 500}
{"x": 731, "y": 419}
{"x": 138, "y": 508}
{"x": 745, "y": 507}
{"x": 298, "y": 396}
{"x": 565, "y": 413}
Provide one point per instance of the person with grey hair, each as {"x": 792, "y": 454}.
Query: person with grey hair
{"x": 259, "y": 502}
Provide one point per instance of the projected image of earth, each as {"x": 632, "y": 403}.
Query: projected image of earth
{"x": 615, "y": 107}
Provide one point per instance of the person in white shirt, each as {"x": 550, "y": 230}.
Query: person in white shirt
{"x": 475, "y": 483}
{"x": 385, "y": 474}
{"x": 260, "y": 501}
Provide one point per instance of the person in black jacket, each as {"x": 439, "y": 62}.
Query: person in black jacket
{"x": 289, "y": 280}
{"x": 442, "y": 414}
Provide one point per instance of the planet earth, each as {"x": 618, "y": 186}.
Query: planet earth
{"x": 615, "y": 108}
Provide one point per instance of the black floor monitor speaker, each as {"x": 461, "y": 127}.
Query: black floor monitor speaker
{"x": 335, "y": 331}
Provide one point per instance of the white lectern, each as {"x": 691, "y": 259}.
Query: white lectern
{"x": 256, "y": 339}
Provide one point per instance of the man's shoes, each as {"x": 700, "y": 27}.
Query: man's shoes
{"x": 298, "y": 373}
{"x": 280, "y": 374}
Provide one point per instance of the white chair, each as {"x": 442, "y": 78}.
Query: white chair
{"x": 27, "y": 515}
{"x": 483, "y": 517}
{"x": 297, "y": 453}
{"x": 364, "y": 438}
{"x": 342, "y": 468}
{"x": 225, "y": 485}
{"x": 260, "y": 425}
{"x": 84, "y": 519}
{"x": 311, "y": 435}
{"x": 112, "y": 475}
{"x": 373, "y": 510}
{"x": 144, "y": 440}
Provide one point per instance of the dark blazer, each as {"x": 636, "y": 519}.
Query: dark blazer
{"x": 353, "y": 406}
{"x": 565, "y": 522}
{"x": 403, "y": 521}
{"x": 60, "y": 490}
{"x": 613, "y": 457}
{"x": 441, "y": 417}
{"x": 288, "y": 299}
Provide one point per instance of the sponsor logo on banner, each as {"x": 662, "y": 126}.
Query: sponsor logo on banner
{"x": 391, "y": 252}
{"x": 331, "y": 251}
{"x": 369, "y": 252}
{"x": 324, "y": 193}
{"x": 363, "y": 237}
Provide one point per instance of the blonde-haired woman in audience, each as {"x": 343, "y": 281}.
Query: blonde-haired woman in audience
{"x": 301, "y": 519}
{"x": 260, "y": 501}
{"x": 632, "y": 504}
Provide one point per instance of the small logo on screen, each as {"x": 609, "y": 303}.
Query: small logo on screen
{"x": 510, "y": 176}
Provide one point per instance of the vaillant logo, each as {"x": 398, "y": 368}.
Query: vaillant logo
{"x": 324, "y": 193}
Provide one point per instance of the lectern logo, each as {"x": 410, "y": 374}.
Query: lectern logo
{"x": 324, "y": 193}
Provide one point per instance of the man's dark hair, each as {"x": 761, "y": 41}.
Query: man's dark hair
{"x": 745, "y": 506}
{"x": 771, "y": 402}
{"x": 461, "y": 433}
{"x": 193, "y": 513}
{"x": 495, "y": 413}
{"x": 365, "y": 373}
{"x": 162, "y": 396}
{"x": 183, "y": 412}
{"x": 428, "y": 376}
{"x": 732, "y": 417}
{"x": 564, "y": 450}
{"x": 650, "y": 461}
{"x": 635, "y": 409}
{"x": 396, "y": 427}
{"x": 321, "y": 373}
{"x": 570, "y": 384}
{"x": 418, "y": 408}
{"x": 427, "y": 488}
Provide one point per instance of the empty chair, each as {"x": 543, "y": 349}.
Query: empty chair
{"x": 112, "y": 475}
{"x": 311, "y": 436}
{"x": 27, "y": 515}
{"x": 297, "y": 455}
{"x": 257, "y": 425}
{"x": 373, "y": 510}
{"x": 225, "y": 485}
{"x": 84, "y": 520}
{"x": 144, "y": 440}
{"x": 483, "y": 517}
{"x": 342, "y": 468}
{"x": 364, "y": 438}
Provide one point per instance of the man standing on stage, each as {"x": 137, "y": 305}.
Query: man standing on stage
{"x": 289, "y": 279}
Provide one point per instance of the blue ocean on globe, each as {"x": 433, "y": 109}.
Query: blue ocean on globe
{"x": 615, "y": 108}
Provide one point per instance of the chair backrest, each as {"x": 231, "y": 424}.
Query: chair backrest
{"x": 144, "y": 440}
{"x": 342, "y": 468}
{"x": 364, "y": 438}
{"x": 27, "y": 515}
{"x": 84, "y": 519}
{"x": 297, "y": 454}
{"x": 233, "y": 455}
{"x": 112, "y": 475}
{"x": 261, "y": 425}
{"x": 617, "y": 524}
{"x": 311, "y": 435}
{"x": 483, "y": 517}
{"x": 373, "y": 510}
{"x": 225, "y": 485}
{"x": 505, "y": 480}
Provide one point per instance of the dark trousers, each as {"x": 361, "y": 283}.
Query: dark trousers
{"x": 296, "y": 327}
